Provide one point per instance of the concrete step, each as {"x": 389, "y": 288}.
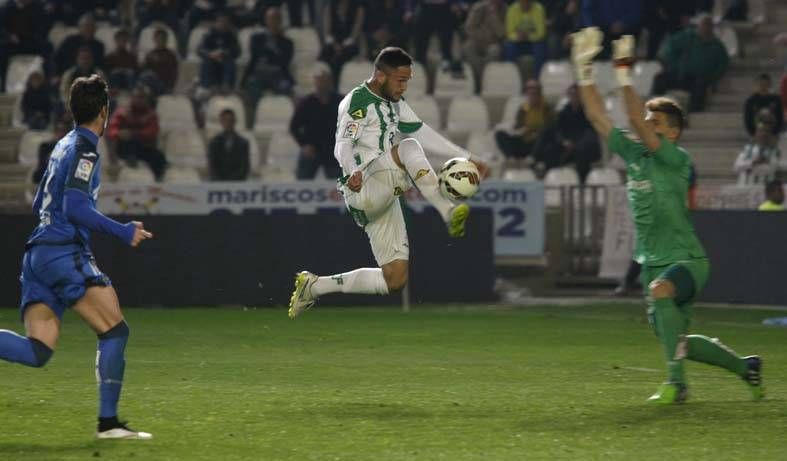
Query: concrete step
{"x": 718, "y": 120}
{"x": 13, "y": 197}
{"x": 712, "y": 135}
{"x": 13, "y": 171}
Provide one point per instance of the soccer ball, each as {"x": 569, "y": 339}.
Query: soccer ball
{"x": 459, "y": 179}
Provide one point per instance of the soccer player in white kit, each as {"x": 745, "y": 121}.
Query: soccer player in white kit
{"x": 380, "y": 145}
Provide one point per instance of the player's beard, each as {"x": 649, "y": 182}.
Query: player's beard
{"x": 387, "y": 92}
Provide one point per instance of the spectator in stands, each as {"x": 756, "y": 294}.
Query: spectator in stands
{"x": 774, "y": 196}
{"x": 85, "y": 67}
{"x": 228, "y": 152}
{"x": 526, "y": 33}
{"x": 313, "y": 126}
{"x": 385, "y": 27}
{"x": 662, "y": 18}
{"x": 294, "y": 10}
{"x": 694, "y": 60}
{"x": 45, "y": 149}
{"x": 66, "y": 54}
{"x": 485, "y": 30}
{"x": 133, "y": 130}
{"x": 565, "y": 19}
{"x": 203, "y": 11}
{"x": 759, "y": 159}
{"x": 533, "y": 118}
{"x": 763, "y": 98}
{"x": 36, "y": 102}
{"x": 219, "y": 50}
{"x": 164, "y": 11}
{"x": 570, "y": 140}
{"x": 342, "y": 26}
{"x": 736, "y": 10}
{"x": 271, "y": 54}
{"x": 614, "y": 17}
{"x": 428, "y": 17}
{"x": 22, "y": 31}
{"x": 162, "y": 61}
{"x": 121, "y": 64}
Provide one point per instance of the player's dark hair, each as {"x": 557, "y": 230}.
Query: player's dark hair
{"x": 227, "y": 111}
{"x": 675, "y": 116}
{"x": 88, "y": 95}
{"x": 392, "y": 57}
{"x": 773, "y": 186}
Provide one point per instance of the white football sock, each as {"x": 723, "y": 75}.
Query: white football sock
{"x": 362, "y": 281}
{"x": 412, "y": 156}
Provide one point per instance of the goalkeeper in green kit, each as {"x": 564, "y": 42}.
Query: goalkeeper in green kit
{"x": 674, "y": 264}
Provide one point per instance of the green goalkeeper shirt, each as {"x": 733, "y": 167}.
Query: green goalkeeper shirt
{"x": 657, "y": 187}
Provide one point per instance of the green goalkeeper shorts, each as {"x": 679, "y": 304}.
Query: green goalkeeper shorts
{"x": 688, "y": 276}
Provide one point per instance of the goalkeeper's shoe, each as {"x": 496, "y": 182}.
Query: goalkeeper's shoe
{"x": 753, "y": 376}
{"x": 670, "y": 393}
{"x": 111, "y": 428}
{"x": 457, "y": 219}
{"x": 302, "y": 298}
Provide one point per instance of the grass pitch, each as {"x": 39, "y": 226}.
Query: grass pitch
{"x": 377, "y": 384}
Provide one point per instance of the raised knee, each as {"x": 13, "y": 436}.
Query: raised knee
{"x": 42, "y": 353}
{"x": 661, "y": 289}
{"x": 120, "y": 330}
{"x": 396, "y": 280}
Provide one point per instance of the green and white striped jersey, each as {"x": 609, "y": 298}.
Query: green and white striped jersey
{"x": 372, "y": 125}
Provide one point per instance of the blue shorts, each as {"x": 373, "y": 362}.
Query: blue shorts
{"x": 58, "y": 276}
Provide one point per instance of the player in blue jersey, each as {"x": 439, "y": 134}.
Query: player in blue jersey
{"x": 58, "y": 268}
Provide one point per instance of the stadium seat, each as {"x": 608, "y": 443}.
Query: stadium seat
{"x": 729, "y": 38}
{"x": 218, "y": 103}
{"x": 28, "y": 146}
{"x": 644, "y": 73}
{"x": 501, "y": 79}
{"x": 186, "y": 148}
{"x": 182, "y": 175}
{"x": 482, "y": 146}
{"x": 139, "y": 175}
{"x": 273, "y": 114}
{"x": 254, "y": 152}
{"x": 195, "y": 40}
{"x": 757, "y": 11}
{"x": 603, "y": 176}
{"x": 106, "y": 35}
{"x": 556, "y": 77}
{"x": 175, "y": 112}
{"x": 467, "y": 114}
{"x": 306, "y": 43}
{"x": 353, "y": 74}
{"x": 59, "y": 32}
{"x": 606, "y": 81}
{"x": 282, "y": 156}
{"x": 20, "y": 67}
{"x": 519, "y": 175}
{"x": 145, "y": 42}
{"x": 244, "y": 39}
{"x": 426, "y": 108}
{"x": 448, "y": 86}
{"x": 555, "y": 180}
{"x": 511, "y": 109}
{"x": 417, "y": 86}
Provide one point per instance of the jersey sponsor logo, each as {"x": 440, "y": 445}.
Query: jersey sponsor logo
{"x": 89, "y": 155}
{"x": 398, "y": 191}
{"x": 84, "y": 168}
{"x": 351, "y": 130}
{"x": 645, "y": 185}
{"x": 358, "y": 113}
{"x": 421, "y": 173}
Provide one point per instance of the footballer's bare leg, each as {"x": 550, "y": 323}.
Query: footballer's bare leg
{"x": 35, "y": 349}
{"x": 410, "y": 156}
{"x": 100, "y": 309}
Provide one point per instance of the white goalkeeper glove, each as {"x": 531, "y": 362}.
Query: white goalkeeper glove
{"x": 585, "y": 45}
{"x": 623, "y": 58}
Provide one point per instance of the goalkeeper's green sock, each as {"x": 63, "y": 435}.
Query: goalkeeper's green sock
{"x": 670, "y": 324}
{"x": 711, "y": 351}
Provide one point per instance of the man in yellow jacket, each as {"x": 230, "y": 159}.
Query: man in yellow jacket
{"x": 526, "y": 33}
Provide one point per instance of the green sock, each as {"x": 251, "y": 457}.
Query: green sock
{"x": 670, "y": 325}
{"x": 713, "y": 352}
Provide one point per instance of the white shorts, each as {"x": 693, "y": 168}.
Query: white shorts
{"x": 376, "y": 207}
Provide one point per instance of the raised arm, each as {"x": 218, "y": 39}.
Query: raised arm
{"x": 586, "y": 44}
{"x": 635, "y": 108}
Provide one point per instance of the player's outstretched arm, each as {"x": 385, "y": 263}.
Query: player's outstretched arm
{"x": 585, "y": 45}
{"x": 635, "y": 107}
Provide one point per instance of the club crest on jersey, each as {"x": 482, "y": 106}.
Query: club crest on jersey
{"x": 421, "y": 173}
{"x": 351, "y": 130}
{"x": 358, "y": 113}
{"x": 84, "y": 168}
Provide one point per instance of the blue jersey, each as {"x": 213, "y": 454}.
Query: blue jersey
{"x": 74, "y": 164}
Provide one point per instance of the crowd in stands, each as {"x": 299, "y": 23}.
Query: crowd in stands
{"x": 545, "y": 133}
